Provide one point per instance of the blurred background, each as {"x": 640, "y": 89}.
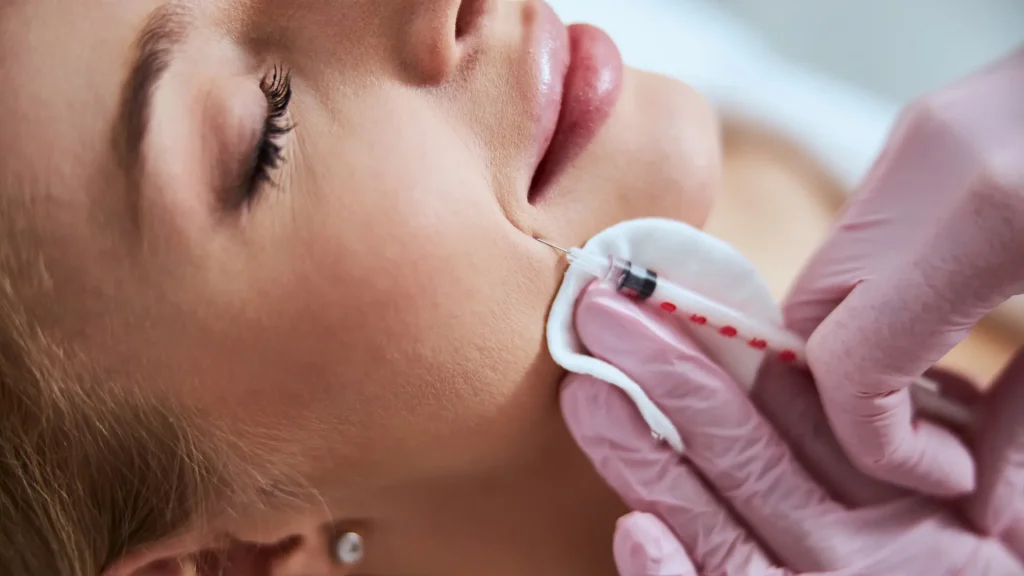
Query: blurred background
{"x": 895, "y": 51}
{"x": 895, "y": 48}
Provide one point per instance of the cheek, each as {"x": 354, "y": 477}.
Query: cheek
{"x": 409, "y": 306}
{"x": 431, "y": 351}
{"x": 443, "y": 288}
{"x": 682, "y": 140}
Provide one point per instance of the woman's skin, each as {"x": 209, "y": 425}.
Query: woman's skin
{"x": 373, "y": 318}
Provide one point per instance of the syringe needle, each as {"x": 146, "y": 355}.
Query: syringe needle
{"x": 546, "y": 243}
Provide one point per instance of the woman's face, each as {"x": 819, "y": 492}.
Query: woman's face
{"x": 350, "y": 280}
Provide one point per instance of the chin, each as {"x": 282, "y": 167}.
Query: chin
{"x": 681, "y": 148}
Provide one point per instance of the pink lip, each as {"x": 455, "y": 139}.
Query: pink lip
{"x": 580, "y": 72}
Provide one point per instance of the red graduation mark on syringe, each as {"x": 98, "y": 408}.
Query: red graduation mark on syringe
{"x": 641, "y": 284}
{"x": 727, "y": 331}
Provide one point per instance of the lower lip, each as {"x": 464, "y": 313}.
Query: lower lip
{"x": 593, "y": 82}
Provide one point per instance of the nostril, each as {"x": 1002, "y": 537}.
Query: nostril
{"x": 471, "y": 13}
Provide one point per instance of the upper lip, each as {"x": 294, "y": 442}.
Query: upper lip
{"x": 551, "y": 58}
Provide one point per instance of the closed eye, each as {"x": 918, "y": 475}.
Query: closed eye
{"x": 268, "y": 154}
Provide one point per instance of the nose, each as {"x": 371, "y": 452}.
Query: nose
{"x": 441, "y": 34}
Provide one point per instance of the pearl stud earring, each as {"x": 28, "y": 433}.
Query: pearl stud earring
{"x": 349, "y": 549}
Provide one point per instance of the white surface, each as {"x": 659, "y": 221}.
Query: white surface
{"x": 895, "y": 48}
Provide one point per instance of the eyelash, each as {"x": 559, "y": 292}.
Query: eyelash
{"x": 269, "y": 154}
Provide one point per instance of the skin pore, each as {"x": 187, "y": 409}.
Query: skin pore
{"x": 369, "y": 317}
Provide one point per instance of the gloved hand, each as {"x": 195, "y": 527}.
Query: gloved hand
{"x": 932, "y": 242}
{"x": 739, "y": 502}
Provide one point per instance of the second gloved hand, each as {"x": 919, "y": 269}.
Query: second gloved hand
{"x": 930, "y": 243}
{"x": 739, "y": 502}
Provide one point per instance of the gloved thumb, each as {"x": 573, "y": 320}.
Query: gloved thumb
{"x": 644, "y": 546}
{"x": 995, "y": 507}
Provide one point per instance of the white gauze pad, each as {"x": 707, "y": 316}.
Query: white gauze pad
{"x": 690, "y": 258}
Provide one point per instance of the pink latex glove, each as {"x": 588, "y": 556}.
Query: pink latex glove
{"x": 931, "y": 242}
{"x": 740, "y": 502}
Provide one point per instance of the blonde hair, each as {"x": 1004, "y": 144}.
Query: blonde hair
{"x": 88, "y": 470}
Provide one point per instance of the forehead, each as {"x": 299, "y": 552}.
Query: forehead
{"x": 62, "y": 65}
{"x": 65, "y": 59}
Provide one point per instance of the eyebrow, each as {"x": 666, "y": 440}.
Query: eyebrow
{"x": 154, "y": 47}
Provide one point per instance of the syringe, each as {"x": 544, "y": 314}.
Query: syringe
{"x": 644, "y": 285}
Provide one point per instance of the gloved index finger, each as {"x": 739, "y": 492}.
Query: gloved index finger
{"x": 732, "y": 445}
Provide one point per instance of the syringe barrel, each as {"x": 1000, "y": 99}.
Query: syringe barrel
{"x": 642, "y": 284}
{"x": 634, "y": 281}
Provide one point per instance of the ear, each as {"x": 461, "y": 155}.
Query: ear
{"x": 295, "y": 554}
{"x": 172, "y": 557}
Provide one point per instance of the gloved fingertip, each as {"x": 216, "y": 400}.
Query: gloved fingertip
{"x": 592, "y": 409}
{"x": 612, "y": 326}
{"x": 582, "y": 394}
{"x": 644, "y": 546}
{"x": 573, "y": 387}
{"x": 576, "y": 397}
{"x": 962, "y": 484}
{"x": 598, "y": 306}
{"x": 937, "y": 463}
{"x": 960, "y": 473}
{"x": 599, "y": 290}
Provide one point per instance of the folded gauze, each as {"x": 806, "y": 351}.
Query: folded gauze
{"x": 698, "y": 263}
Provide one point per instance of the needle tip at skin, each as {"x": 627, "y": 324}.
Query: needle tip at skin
{"x": 546, "y": 243}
